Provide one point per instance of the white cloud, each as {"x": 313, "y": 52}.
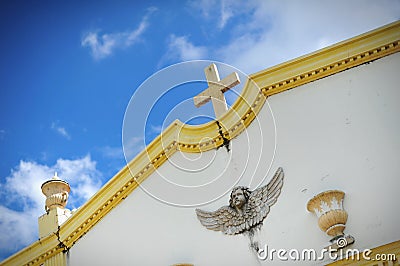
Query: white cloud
{"x": 204, "y": 6}
{"x": 226, "y": 14}
{"x": 22, "y": 201}
{"x": 83, "y": 177}
{"x": 103, "y": 45}
{"x": 180, "y": 48}
{"x": 184, "y": 49}
{"x": 218, "y": 11}
{"x": 277, "y": 31}
{"x": 100, "y": 46}
{"x": 287, "y": 29}
{"x": 17, "y": 230}
{"x": 60, "y": 130}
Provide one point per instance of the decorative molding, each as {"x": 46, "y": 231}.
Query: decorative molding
{"x": 330, "y": 69}
{"x": 330, "y": 60}
{"x": 178, "y": 136}
{"x": 60, "y": 259}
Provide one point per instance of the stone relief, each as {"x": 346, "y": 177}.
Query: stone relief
{"x": 246, "y": 211}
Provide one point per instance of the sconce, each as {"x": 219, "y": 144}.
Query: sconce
{"x": 332, "y": 218}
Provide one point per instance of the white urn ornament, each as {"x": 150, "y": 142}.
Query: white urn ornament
{"x": 332, "y": 218}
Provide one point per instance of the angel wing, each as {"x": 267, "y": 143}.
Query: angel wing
{"x": 231, "y": 222}
{"x": 261, "y": 199}
{"x": 225, "y": 219}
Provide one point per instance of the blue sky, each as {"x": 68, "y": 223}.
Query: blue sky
{"x": 69, "y": 69}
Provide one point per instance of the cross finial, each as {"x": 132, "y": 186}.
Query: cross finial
{"x": 216, "y": 89}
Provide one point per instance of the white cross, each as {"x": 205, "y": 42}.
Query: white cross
{"x": 216, "y": 89}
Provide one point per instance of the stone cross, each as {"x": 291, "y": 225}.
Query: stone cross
{"x": 216, "y": 89}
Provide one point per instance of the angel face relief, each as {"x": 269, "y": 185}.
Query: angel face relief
{"x": 239, "y": 197}
{"x": 247, "y": 209}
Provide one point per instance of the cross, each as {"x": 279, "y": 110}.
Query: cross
{"x": 216, "y": 89}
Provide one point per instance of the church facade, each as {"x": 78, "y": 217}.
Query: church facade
{"x": 328, "y": 120}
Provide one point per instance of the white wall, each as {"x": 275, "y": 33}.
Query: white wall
{"x": 341, "y": 132}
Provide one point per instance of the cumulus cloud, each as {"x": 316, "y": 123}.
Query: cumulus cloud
{"x": 103, "y": 45}
{"x": 22, "y": 201}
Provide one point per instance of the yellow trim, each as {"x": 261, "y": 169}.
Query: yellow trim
{"x": 391, "y": 248}
{"x": 330, "y": 60}
{"x": 178, "y": 136}
{"x": 59, "y": 259}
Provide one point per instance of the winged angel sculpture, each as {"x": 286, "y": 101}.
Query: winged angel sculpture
{"x": 246, "y": 211}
